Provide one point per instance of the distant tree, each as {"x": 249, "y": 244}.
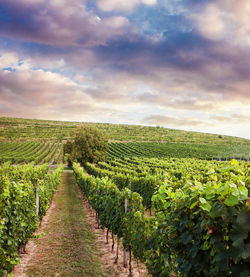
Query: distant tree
{"x": 89, "y": 145}
{"x": 67, "y": 151}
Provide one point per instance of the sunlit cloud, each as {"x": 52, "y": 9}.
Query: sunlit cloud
{"x": 173, "y": 121}
{"x": 225, "y": 20}
{"x": 35, "y": 93}
{"x": 235, "y": 118}
{"x": 121, "y": 5}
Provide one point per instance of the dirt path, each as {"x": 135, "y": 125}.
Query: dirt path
{"x": 69, "y": 244}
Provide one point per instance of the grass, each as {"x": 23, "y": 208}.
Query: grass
{"x": 68, "y": 246}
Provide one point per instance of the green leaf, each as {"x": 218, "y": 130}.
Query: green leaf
{"x": 238, "y": 237}
{"x": 243, "y": 219}
{"x": 246, "y": 252}
{"x": 221, "y": 256}
{"x": 213, "y": 177}
{"x": 205, "y": 205}
{"x": 193, "y": 205}
{"x": 186, "y": 237}
{"x": 243, "y": 190}
{"x": 231, "y": 201}
{"x": 215, "y": 212}
{"x": 239, "y": 242}
{"x": 234, "y": 162}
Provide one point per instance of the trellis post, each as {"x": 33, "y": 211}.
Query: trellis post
{"x": 125, "y": 253}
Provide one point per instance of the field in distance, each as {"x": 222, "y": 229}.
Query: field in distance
{"x": 24, "y": 140}
{"x": 18, "y": 128}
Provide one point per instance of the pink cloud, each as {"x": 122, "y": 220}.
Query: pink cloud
{"x": 121, "y": 5}
{"x": 60, "y": 23}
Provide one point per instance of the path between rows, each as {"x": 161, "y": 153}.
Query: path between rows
{"x": 68, "y": 242}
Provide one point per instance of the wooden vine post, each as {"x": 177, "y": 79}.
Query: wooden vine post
{"x": 113, "y": 242}
{"x": 130, "y": 254}
{"x": 117, "y": 250}
{"x": 130, "y": 261}
{"x": 97, "y": 220}
{"x": 107, "y": 236}
{"x": 125, "y": 253}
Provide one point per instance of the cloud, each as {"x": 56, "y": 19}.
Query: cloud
{"x": 36, "y": 93}
{"x": 59, "y": 23}
{"x": 225, "y": 19}
{"x": 117, "y": 21}
{"x": 211, "y": 23}
{"x": 149, "y": 2}
{"x": 233, "y": 118}
{"x": 174, "y": 121}
{"x": 9, "y": 59}
{"x": 121, "y": 5}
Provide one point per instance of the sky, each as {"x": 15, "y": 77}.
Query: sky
{"x": 182, "y": 64}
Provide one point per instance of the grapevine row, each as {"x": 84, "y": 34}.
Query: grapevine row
{"x": 18, "y": 218}
{"x": 201, "y": 216}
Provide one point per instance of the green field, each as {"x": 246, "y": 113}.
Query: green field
{"x": 18, "y": 128}
{"x": 19, "y": 141}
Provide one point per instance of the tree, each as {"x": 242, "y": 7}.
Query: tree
{"x": 67, "y": 151}
{"x": 89, "y": 145}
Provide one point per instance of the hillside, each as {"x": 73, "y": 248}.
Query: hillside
{"x": 27, "y": 140}
{"x": 18, "y": 128}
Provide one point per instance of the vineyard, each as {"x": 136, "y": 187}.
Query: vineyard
{"x": 179, "y": 150}
{"x": 200, "y": 218}
{"x": 52, "y": 151}
{"x": 31, "y": 151}
{"x": 25, "y": 140}
{"x": 33, "y": 129}
{"x": 25, "y": 194}
{"x": 176, "y": 201}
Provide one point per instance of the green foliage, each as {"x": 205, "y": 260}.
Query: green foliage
{"x": 18, "y": 128}
{"x": 205, "y": 226}
{"x": 67, "y": 152}
{"x": 89, "y": 145}
{"x": 144, "y": 176}
{"x": 58, "y": 154}
{"x": 143, "y": 183}
{"x": 108, "y": 201}
{"x": 26, "y": 152}
{"x": 178, "y": 150}
{"x": 128, "y": 141}
{"x": 201, "y": 213}
{"x": 18, "y": 218}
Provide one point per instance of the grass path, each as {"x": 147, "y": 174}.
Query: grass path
{"x": 67, "y": 246}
